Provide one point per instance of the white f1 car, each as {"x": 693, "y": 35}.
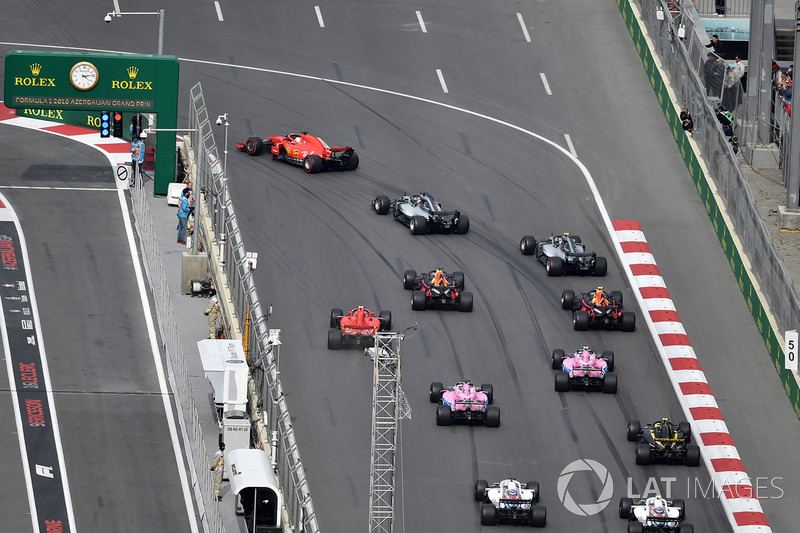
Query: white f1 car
{"x": 510, "y": 502}
{"x": 654, "y": 515}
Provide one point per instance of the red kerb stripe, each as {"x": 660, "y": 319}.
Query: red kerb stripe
{"x": 695, "y": 387}
{"x": 66, "y": 129}
{"x": 738, "y": 491}
{"x": 674, "y": 339}
{"x": 654, "y": 292}
{"x": 716, "y": 439}
{"x": 684, "y": 363}
{"x": 727, "y": 465}
{"x": 115, "y": 148}
{"x": 621, "y": 225}
{"x": 644, "y": 269}
{"x": 664, "y": 315}
{"x": 706, "y": 413}
{"x": 748, "y": 518}
{"x": 631, "y": 247}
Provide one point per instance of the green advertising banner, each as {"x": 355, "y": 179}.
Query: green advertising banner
{"x": 771, "y": 341}
{"x": 78, "y": 85}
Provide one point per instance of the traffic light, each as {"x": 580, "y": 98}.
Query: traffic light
{"x": 117, "y": 124}
{"x": 105, "y": 124}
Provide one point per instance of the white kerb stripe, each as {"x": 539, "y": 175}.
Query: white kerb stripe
{"x": 722, "y": 451}
{"x": 650, "y": 281}
{"x": 690, "y": 376}
{"x": 710, "y": 426}
{"x": 669, "y": 327}
{"x": 659, "y": 304}
{"x": 640, "y": 258}
{"x": 679, "y": 350}
{"x": 630, "y": 235}
{"x": 700, "y": 400}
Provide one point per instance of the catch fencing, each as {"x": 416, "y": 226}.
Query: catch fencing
{"x": 754, "y": 253}
{"x": 262, "y": 355}
{"x": 188, "y": 417}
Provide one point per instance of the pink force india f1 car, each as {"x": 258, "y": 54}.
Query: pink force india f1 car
{"x": 465, "y": 403}
{"x": 584, "y": 369}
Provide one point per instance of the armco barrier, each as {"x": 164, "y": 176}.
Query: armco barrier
{"x": 775, "y": 292}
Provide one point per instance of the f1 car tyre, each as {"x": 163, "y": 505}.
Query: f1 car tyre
{"x": 462, "y": 226}
{"x": 617, "y": 297}
{"x": 418, "y": 301}
{"x": 634, "y": 428}
{"x": 408, "y": 279}
{"x": 381, "y": 204}
{"x": 527, "y": 245}
{"x": 567, "y": 298}
{"x": 312, "y": 164}
{"x": 479, "y": 493}
{"x": 488, "y": 514}
{"x": 444, "y": 416}
{"x": 686, "y": 528}
{"x": 352, "y": 162}
{"x": 538, "y": 516}
{"x": 386, "y": 320}
{"x": 686, "y": 429}
{"x": 488, "y": 390}
{"x": 628, "y": 321}
{"x": 554, "y": 266}
{"x": 680, "y": 505}
{"x": 435, "y": 394}
{"x": 635, "y": 527}
{"x": 458, "y": 279}
{"x": 533, "y": 486}
{"x": 692, "y": 455}
{"x": 576, "y": 239}
{"x": 643, "y": 454}
{"x": 335, "y": 339}
{"x": 600, "y": 266}
{"x": 609, "y": 359}
{"x": 610, "y": 383}
{"x": 465, "y": 305}
{"x": 557, "y": 358}
{"x": 562, "y": 381}
{"x": 625, "y": 505}
{"x": 580, "y": 321}
{"x": 492, "y": 416}
{"x": 418, "y": 225}
{"x": 336, "y": 317}
{"x": 254, "y": 146}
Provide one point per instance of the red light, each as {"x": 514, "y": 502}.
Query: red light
{"x": 117, "y": 116}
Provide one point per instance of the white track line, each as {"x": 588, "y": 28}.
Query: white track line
{"x": 219, "y": 11}
{"x": 319, "y": 17}
{"x": 524, "y": 27}
{"x": 571, "y": 146}
{"x": 441, "y": 80}
{"x": 546, "y": 85}
{"x": 421, "y": 22}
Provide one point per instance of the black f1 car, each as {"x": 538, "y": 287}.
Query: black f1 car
{"x": 664, "y": 442}
{"x": 655, "y": 515}
{"x": 510, "y": 502}
{"x": 437, "y": 290}
{"x": 598, "y": 309}
{"x": 564, "y": 254}
{"x": 422, "y": 214}
{"x": 465, "y": 403}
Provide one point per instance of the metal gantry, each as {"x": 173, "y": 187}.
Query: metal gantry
{"x": 389, "y": 406}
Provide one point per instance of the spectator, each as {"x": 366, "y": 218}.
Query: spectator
{"x": 183, "y": 216}
{"x": 708, "y": 73}
{"x": 137, "y": 156}
{"x": 730, "y": 94}
{"x": 718, "y": 77}
{"x": 720, "y": 6}
{"x": 716, "y": 45}
{"x": 739, "y": 68}
{"x": 686, "y": 121}
{"x": 776, "y": 72}
{"x": 725, "y": 119}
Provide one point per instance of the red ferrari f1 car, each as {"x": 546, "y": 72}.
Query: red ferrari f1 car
{"x": 357, "y": 327}
{"x": 302, "y": 149}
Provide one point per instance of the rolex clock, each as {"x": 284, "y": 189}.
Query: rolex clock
{"x": 83, "y": 76}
